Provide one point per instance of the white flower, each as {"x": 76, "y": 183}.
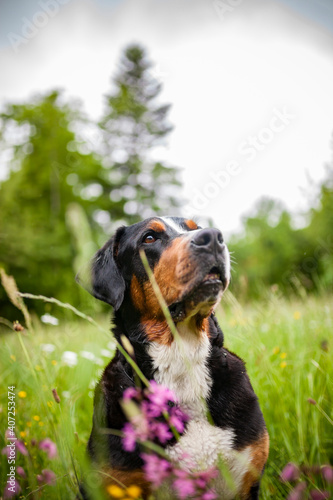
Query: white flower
{"x": 47, "y": 347}
{"x": 69, "y": 358}
{"x": 88, "y": 355}
{"x": 49, "y": 320}
{"x": 106, "y": 353}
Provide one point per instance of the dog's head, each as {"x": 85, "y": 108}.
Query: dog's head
{"x": 191, "y": 266}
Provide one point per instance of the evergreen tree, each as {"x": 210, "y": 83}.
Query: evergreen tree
{"x": 133, "y": 125}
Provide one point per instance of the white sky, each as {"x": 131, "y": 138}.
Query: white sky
{"x": 224, "y": 75}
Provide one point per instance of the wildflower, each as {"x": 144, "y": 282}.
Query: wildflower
{"x": 106, "y": 353}
{"x": 184, "y": 484}
{"x": 276, "y": 350}
{"x": 28, "y": 424}
{"x": 88, "y": 355}
{"x": 290, "y": 473}
{"x": 22, "y": 394}
{"x": 115, "y": 491}
{"x": 319, "y": 495}
{"x": 297, "y": 315}
{"x": 38, "y": 368}
{"x": 21, "y": 472}
{"x": 41, "y": 424}
{"x": 134, "y": 491}
{"x": 297, "y": 493}
{"x": 54, "y": 362}
{"x": 209, "y": 495}
{"x": 161, "y": 431}
{"x": 49, "y": 447}
{"x": 17, "y": 326}
{"x": 129, "y": 439}
{"x": 50, "y": 404}
{"x": 23, "y": 434}
{"x": 36, "y": 417}
{"x": 160, "y": 396}
{"x": 156, "y": 469}
{"x": 46, "y": 477}
{"x": 130, "y": 393}
{"x": 20, "y": 446}
{"x": 13, "y": 357}
{"x": 47, "y": 348}
{"x": 49, "y": 320}
{"x": 13, "y": 491}
{"x": 283, "y": 364}
{"x": 69, "y": 358}
{"x": 283, "y": 355}
{"x": 327, "y": 473}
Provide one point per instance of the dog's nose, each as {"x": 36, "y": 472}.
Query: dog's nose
{"x": 209, "y": 239}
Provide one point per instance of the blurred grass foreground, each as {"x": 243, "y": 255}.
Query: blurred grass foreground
{"x": 287, "y": 348}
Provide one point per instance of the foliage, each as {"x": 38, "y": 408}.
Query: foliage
{"x": 62, "y": 199}
{"x": 271, "y": 252}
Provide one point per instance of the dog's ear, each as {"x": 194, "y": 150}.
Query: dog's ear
{"x": 102, "y": 277}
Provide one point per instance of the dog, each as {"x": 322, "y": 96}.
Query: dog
{"x": 191, "y": 266}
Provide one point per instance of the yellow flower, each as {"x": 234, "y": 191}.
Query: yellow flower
{"x": 134, "y": 491}
{"x": 13, "y": 357}
{"x": 276, "y": 350}
{"x": 22, "y": 394}
{"x": 115, "y": 491}
{"x": 283, "y": 355}
{"x": 54, "y": 362}
{"x": 283, "y": 364}
{"x": 297, "y": 315}
{"x": 50, "y": 404}
{"x": 22, "y": 434}
{"x": 28, "y": 424}
{"x": 36, "y": 417}
{"x": 41, "y": 424}
{"x": 38, "y": 368}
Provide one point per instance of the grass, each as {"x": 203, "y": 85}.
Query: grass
{"x": 287, "y": 347}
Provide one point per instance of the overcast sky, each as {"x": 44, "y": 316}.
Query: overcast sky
{"x": 250, "y": 84}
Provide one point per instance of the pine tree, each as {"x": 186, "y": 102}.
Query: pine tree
{"x": 133, "y": 125}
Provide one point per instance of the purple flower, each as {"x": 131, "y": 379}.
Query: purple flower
{"x": 209, "y": 495}
{"x": 204, "y": 477}
{"x": 327, "y": 473}
{"x": 319, "y": 495}
{"x": 11, "y": 490}
{"x": 21, "y": 472}
{"x": 160, "y": 396}
{"x": 160, "y": 431}
{"x": 297, "y": 493}
{"x": 156, "y": 469}
{"x": 290, "y": 473}
{"x": 49, "y": 446}
{"x": 46, "y": 477}
{"x": 184, "y": 487}
{"x": 131, "y": 393}
{"x": 178, "y": 418}
{"x": 20, "y": 446}
{"x": 129, "y": 439}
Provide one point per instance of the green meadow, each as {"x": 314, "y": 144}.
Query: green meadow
{"x": 287, "y": 346}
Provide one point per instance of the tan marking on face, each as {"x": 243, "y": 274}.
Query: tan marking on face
{"x": 191, "y": 224}
{"x": 128, "y": 478}
{"x": 137, "y": 294}
{"x": 157, "y": 225}
{"x": 158, "y": 331}
{"x": 259, "y": 455}
{"x": 173, "y": 273}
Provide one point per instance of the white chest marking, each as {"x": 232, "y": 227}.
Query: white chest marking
{"x": 182, "y": 368}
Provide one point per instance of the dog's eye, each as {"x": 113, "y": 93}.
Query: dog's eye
{"x": 149, "y": 238}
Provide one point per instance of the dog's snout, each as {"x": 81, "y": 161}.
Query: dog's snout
{"x": 208, "y": 239}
